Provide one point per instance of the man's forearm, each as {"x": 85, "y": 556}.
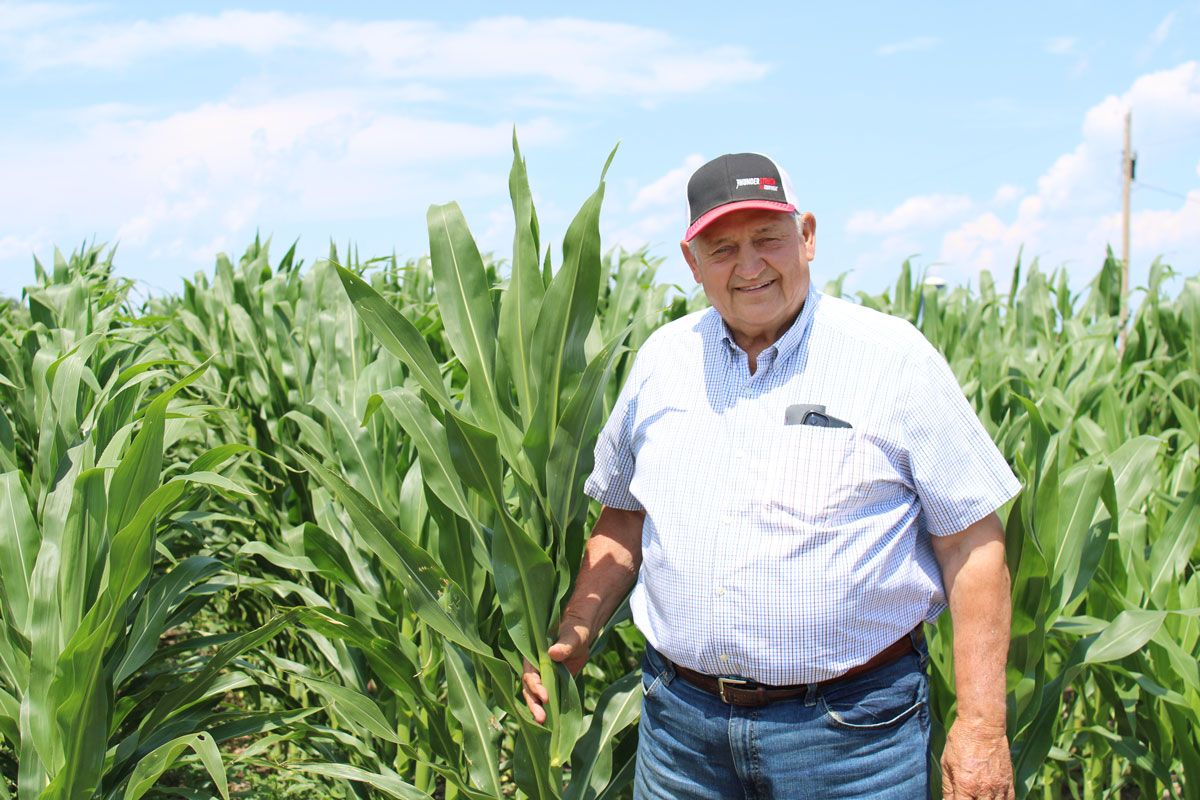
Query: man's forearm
{"x": 610, "y": 566}
{"x": 977, "y": 585}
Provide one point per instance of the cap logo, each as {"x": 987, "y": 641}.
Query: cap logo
{"x": 769, "y": 184}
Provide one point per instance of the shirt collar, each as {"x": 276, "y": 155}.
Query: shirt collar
{"x": 785, "y": 344}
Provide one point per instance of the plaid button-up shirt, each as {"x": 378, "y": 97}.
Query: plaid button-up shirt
{"x": 788, "y": 553}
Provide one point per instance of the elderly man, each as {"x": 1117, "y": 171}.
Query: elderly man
{"x": 796, "y": 484}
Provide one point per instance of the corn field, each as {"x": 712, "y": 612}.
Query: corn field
{"x": 306, "y": 522}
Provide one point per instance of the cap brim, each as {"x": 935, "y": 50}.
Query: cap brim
{"x": 739, "y": 205}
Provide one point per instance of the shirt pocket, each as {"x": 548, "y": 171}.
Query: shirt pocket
{"x": 815, "y": 475}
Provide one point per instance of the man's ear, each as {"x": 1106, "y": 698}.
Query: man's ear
{"x": 808, "y": 231}
{"x": 691, "y": 260}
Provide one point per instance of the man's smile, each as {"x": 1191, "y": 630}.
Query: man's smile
{"x": 758, "y": 287}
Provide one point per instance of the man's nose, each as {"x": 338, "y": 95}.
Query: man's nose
{"x": 751, "y": 264}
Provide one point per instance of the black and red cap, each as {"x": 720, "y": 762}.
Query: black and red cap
{"x": 733, "y": 182}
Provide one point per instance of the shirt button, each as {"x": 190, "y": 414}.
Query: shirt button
{"x": 720, "y": 590}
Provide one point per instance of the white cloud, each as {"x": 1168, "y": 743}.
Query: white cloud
{"x": 1006, "y": 194}
{"x": 661, "y": 228}
{"x": 657, "y": 217}
{"x": 985, "y": 242}
{"x": 1167, "y": 232}
{"x": 576, "y": 55}
{"x": 901, "y": 233}
{"x": 223, "y": 166}
{"x": 908, "y": 46}
{"x": 1165, "y": 104}
{"x": 429, "y": 117}
{"x": 1072, "y": 217}
{"x": 669, "y": 189}
{"x": 583, "y": 55}
{"x": 24, "y": 17}
{"x": 107, "y": 46}
{"x": 1073, "y": 213}
{"x": 920, "y": 212}
{"x": 890, "y": 250}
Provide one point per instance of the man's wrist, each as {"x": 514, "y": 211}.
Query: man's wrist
{"x": 577, "y": 624}
{"x": 982, "y": 724}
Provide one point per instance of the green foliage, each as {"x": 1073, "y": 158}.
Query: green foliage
{"x": 315, "y": 518}
{"x": 95, "y": 480}
{"x": 1102, "y": 543}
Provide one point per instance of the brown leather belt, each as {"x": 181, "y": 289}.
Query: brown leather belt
{"x": 741, "y": 692}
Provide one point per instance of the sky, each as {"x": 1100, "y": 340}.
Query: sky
{"x": 955, "y": 134}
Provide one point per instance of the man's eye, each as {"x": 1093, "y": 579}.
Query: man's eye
{"x": 722, "y": 251}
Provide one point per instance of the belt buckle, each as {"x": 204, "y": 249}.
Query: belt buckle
{"x": 722, "y": 683}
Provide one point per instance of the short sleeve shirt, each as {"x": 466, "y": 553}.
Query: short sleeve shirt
{"x": 782, "y": 552}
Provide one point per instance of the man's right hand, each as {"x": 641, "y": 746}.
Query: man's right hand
{"x": 571, "y": 650}
{"x": 610, "y": 567}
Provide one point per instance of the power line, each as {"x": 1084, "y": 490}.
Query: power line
{"x": 1160, "y": 190}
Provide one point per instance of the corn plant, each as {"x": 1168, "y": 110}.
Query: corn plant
{"x": 502, "y": 457}
{"x": 324, "y": 367}
{"x": 92, "y": 700}
{"x": 1102, "y": 543}
{"x": 335, "y": 507}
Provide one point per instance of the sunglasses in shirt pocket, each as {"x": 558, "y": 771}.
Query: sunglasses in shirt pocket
{"x": 813, "y": 415}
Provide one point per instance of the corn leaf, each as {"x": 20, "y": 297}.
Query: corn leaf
{"x": 20, "y": 538}
{"x": 571, "y": 454}
{"x": 479, "y": 726}
{"x": 465, "y": 303}
{"x": 1126, "y": 634}
{"x": 389, "y": 784}
{"x": 618, "y": 707}
{"x": 354, "y": 707}
{"x": 565, "y": 318}
{"x": 439, "y": 601}
{"x": 522, "y": 300}
{"x": 429, "y": 437}
{"x": 396, "y": 334}
{"x": 154, "y": 764}
{"x": 1170, "y": 553}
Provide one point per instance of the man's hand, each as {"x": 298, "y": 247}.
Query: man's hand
{"x": 571, "y": 650}
{"x": 976, "y": 764}
{"x": 610, "y": 567}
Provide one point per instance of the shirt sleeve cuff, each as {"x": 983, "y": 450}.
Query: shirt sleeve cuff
{"x": 612, "y": 496}
{"x": 967, "y": 514}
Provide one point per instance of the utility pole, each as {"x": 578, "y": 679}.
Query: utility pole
{"x": 1128, "y": 164}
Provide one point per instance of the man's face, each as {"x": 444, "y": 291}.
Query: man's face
{"x": 753, "y": 265}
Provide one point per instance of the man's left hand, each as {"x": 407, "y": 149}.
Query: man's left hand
{"x": 976, "y": 764}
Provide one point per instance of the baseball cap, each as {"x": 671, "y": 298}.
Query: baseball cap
{"x": 733, "y": 182}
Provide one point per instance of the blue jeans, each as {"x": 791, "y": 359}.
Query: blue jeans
{"x": 864, "y": 737}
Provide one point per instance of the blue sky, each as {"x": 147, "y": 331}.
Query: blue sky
{"x": 952, "y": 133}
